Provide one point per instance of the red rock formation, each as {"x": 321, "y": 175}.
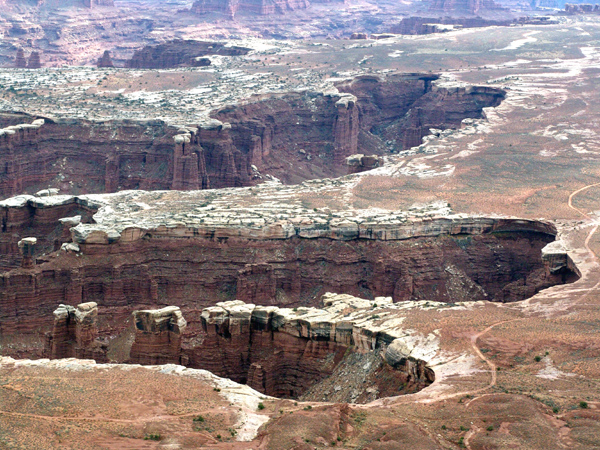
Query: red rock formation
{"x": 256, "y": 283}
{"x": 34, "y": 61}
{"x": 572, "y": 9}
{"x": 426, "y": 25}
{"x": 311, "y": 131}
{"x": 74, "y": 334}
{"x": 261, "y": 7}
{"x": 361, "y": 163}
{"x": 345, "y": 129}
{"x": 94, "y": 3}
{"x": 27, "y": 246}
{"x": 20, "y": 61}
{"x": 118, "y": 155}
{"x": 157, "y": 336}
{"x": 191, "y": 268}
{"x": 181, "y": 53}
{"x": 283, "y": 353}
{"x": 105, "y": 60}
{"x": 402, "y": 109}
{"x": 42, "y": 218}
{"x": 274, "y": 129}
{"x": 185, "y": 165}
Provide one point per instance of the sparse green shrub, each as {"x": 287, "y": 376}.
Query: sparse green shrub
{"x": 261, "y": 406}
{"x": 153, "y": 437}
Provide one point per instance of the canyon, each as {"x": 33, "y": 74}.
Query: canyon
{"x": 314, "y": 131}
{"x": 203, "y": 253}
{"x": 369, "y": 243}
{"x": 276, "y": 351}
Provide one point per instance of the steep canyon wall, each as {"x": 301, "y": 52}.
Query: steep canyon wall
{"x": 312, "y": 132}
{"x": 442, "y": 260}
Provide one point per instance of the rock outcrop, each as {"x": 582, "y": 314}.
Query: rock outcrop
{"x": 429, "y": 25}
{"x": 20, "y": 61}
{"x": 157, "y": 336}
{"x": 465, "y": 7}
{"x": 105, "y": 61}
{"x": 361, "y": 163}
{"x": 74, "y": 333}
{"x": 261, "y": 7}
{"x": 583, "y": 8}
{"x": 208, "y": 253}
{"x": 401, "y": 109}
{"x": 95, "y": 3}
{"x": 284, "y": 352}
{"x": 34, "y": 61}
{"x": 27, "y": 248}
{"x": 181, "y": 53}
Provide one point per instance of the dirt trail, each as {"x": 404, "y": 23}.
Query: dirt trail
{"x": 574, "y": 193}
{"x": 419, "y": 397}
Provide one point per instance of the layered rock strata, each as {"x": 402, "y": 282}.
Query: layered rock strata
{"x": 283, "y": 352}
{"x": 105, "y": 61}
{"x": 74, "y": 333}
{"x": 430, "y": 25}
{"x": 157, "y": 336}
{"x": 584, "y": 8}
{"x": 20, "y": 61}
{"x": 46, "y": 219}
{"x": 204, "y": 255}
{"x": 469, "y": 7}
{"x": 95, "y": 3}
{"x": 401, "y": 109}
{"x": 314, "y": 132}
{"x": 34, "y": 61}
{"x": 260, "y": 7}
{"x": 361, "y": 163}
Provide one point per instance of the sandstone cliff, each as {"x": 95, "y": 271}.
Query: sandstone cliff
{"x": 158, "y": 336}
{"x": 260, "y": 7}
{"x": 125, "y": 266}
{"x": 313, "y": 131}
{"x": 74, "y": 334}
{"x": 465, "y": 7}
{"x": 284, "y": 352}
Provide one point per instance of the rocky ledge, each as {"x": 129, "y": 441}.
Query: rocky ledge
{"x": 138, "y": 250}
{"x": 295, "y": 352}
{"x": 283, "y": 352}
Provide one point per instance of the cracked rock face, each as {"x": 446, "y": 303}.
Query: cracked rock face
{"x": 290, "y": 353}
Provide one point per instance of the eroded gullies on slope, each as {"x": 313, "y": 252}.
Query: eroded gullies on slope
{"x": 292, "y": 137}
